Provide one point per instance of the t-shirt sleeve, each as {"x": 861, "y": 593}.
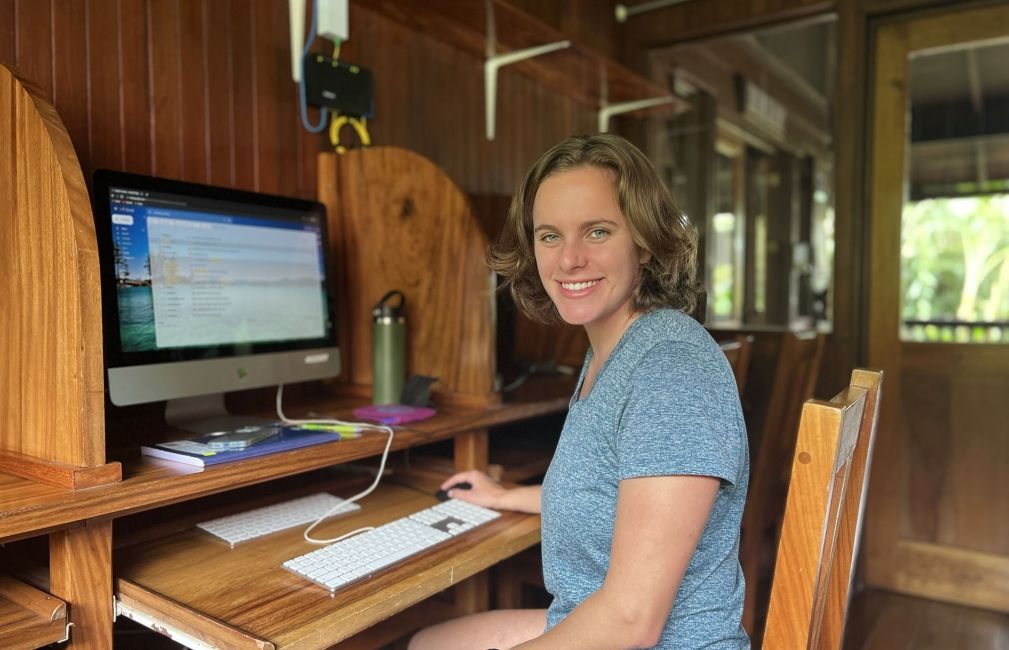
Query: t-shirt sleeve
{"x": 682, "y": 416}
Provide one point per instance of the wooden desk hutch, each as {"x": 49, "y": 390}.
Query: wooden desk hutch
{"x": 120, "y": 537}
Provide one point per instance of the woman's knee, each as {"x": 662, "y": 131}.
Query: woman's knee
{"x": 498, "y": 629}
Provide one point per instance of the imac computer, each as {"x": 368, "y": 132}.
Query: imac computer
{"x": 207, "y": 290}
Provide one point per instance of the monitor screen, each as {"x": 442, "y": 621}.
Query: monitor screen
{"x": 208, "y": 289}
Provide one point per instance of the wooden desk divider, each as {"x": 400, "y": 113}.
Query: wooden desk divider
{"x": 397, "y": 221}
{"x": 52, "y": 426}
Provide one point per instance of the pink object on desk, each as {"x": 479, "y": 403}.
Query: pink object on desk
{"x": 393, "y": 413}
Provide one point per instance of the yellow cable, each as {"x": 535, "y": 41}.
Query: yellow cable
{"x": 360, "y": 126}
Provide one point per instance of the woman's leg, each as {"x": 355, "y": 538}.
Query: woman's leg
{"x": 499, "y": 629}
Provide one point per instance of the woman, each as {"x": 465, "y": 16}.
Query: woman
{"x": 643, "y": 499}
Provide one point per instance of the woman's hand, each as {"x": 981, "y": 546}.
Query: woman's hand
{"x": 489, "y": 493}
{"x": 485, "y": 492}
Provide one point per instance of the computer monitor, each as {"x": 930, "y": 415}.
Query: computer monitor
{"x": 207, "y": 290}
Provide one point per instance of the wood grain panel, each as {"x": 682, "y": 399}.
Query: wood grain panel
{"x": 696, "y": 20}
{"x": 140, "y": 83}
{"x": 33, "y": 56}
{"x": 277, "y": 606}
{"x": 80, "y": 572}
{"x": 29, "y": 618}
{"x": 266, "y": 97}
{"x": 134, "y": 86}
{"x": 883, "y": 317}
{"x": 164, "y": 57}
{"x": 70, "y": 96}
{"x": 886, "y": 621}
{"x": 950, "y": 574}
{"x": 105, "y": 76}
{"x": 220, "y": 98}
{"x": 193, "y": 134}
{"x": 243, "y": 108}
{"x": 8, "y": 33}
{"x": 33, "y": 508}
{"x": 50, "y": 285}
{"x": 398, "y": 214}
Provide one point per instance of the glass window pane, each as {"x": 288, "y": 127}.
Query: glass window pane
{"x": 955, "y": 228}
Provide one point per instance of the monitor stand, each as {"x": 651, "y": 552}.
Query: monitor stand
{"x": 207, "y": 414}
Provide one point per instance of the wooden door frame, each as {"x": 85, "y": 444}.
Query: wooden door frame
{"x": 905, "y": 565}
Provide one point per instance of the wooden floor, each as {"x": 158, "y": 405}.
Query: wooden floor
{"x": 884, "y": 621}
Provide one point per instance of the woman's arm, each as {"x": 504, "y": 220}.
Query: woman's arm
{"x": 489, "y": 493}
{"x": 658, "y": 524}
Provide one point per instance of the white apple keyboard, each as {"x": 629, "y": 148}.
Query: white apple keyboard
{"x": 358, "y": 557}
{"x": 243, "y": 526}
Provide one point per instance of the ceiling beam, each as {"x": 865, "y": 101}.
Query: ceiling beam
{"x": 692, "y": 20}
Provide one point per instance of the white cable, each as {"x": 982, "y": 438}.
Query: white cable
{"x": 378, "y": 476}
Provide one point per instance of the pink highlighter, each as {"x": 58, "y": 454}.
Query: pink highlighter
{"x": 393, "y": 413}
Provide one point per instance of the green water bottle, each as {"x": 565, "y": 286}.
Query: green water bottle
{"x": 388, "y": 348}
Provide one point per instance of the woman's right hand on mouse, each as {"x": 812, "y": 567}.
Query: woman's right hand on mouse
{"x": 485, "y": 492}
{"x": 489, "y": 493}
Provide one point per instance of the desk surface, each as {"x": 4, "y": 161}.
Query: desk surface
{"x": 243, "y": 598}
{"x": 29, "y": 508}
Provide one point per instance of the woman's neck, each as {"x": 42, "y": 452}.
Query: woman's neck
{"x": 604, "y": 337}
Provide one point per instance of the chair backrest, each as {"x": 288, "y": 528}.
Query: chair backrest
{"x": 823, "y": 518}
{"x": 737, "y": 350}
{"x": 795, "y": 375}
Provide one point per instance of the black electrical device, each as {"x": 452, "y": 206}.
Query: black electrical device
{"x": 346, "y": 88}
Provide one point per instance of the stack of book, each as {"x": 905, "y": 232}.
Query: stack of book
{"x": 199, "y": 452}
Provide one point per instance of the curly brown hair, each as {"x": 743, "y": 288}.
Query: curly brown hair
{"x": 668, "y": 276}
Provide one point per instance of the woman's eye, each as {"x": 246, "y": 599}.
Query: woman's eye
{"x": 548, "y": 238}
{"x": 598, "y": 233}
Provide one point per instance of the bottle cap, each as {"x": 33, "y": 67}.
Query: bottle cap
{"x": 383, "y": 309}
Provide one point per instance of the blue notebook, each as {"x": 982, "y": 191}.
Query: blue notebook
{"x": 196, "y": 452}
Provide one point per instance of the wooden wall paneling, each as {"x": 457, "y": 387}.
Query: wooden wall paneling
{"x": 134, "y": 87}
{"x": 243, "y": 108}
{"x": 33, "y": 57}
{"x": 164, "y": 64}
{"x": 70, "y": 90}
{"x": 288, "y": 125}
{"x": 8, "y": 33}
{"x": 192, "y": 46}
{"x": 220, "y": 86}
{"x": 104, "y": 78}
{"x": 264, "y": 103}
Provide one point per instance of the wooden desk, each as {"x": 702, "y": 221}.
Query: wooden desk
{"x": 248, "y": 596}
{"x": 242, "y": 597}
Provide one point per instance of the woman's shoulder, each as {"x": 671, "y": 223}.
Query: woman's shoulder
{"x": 672, "y": 326}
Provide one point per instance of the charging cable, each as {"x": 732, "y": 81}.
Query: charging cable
{"x": 303, "y": 103}
{"x": 371, "y": 488}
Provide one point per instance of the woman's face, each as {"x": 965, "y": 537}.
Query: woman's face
{"x": 586, "y": 257}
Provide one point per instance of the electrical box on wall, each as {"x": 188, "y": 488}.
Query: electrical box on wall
{"x": 343, "y": 87}
{"x": 331, "y": 23}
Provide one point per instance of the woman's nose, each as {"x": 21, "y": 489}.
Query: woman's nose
{"x": 572, "y": 255}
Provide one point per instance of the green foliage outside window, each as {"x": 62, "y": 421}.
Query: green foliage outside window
{"x": 955, "y": 268}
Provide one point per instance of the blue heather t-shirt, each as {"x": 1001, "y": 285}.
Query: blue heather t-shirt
{"x": 664, "y": 403}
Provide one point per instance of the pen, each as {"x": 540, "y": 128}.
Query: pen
{"x": 337, "y": 428}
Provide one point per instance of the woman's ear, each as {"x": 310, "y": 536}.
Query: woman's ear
{"x": 644, "y": 257}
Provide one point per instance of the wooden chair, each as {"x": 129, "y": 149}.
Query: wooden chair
{"x": 823, "y": 517}
{"x": 771, "y": 452}
{"x": 737, "y": 350}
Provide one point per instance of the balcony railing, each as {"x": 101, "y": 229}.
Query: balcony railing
{"x": 955, "y": 331}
